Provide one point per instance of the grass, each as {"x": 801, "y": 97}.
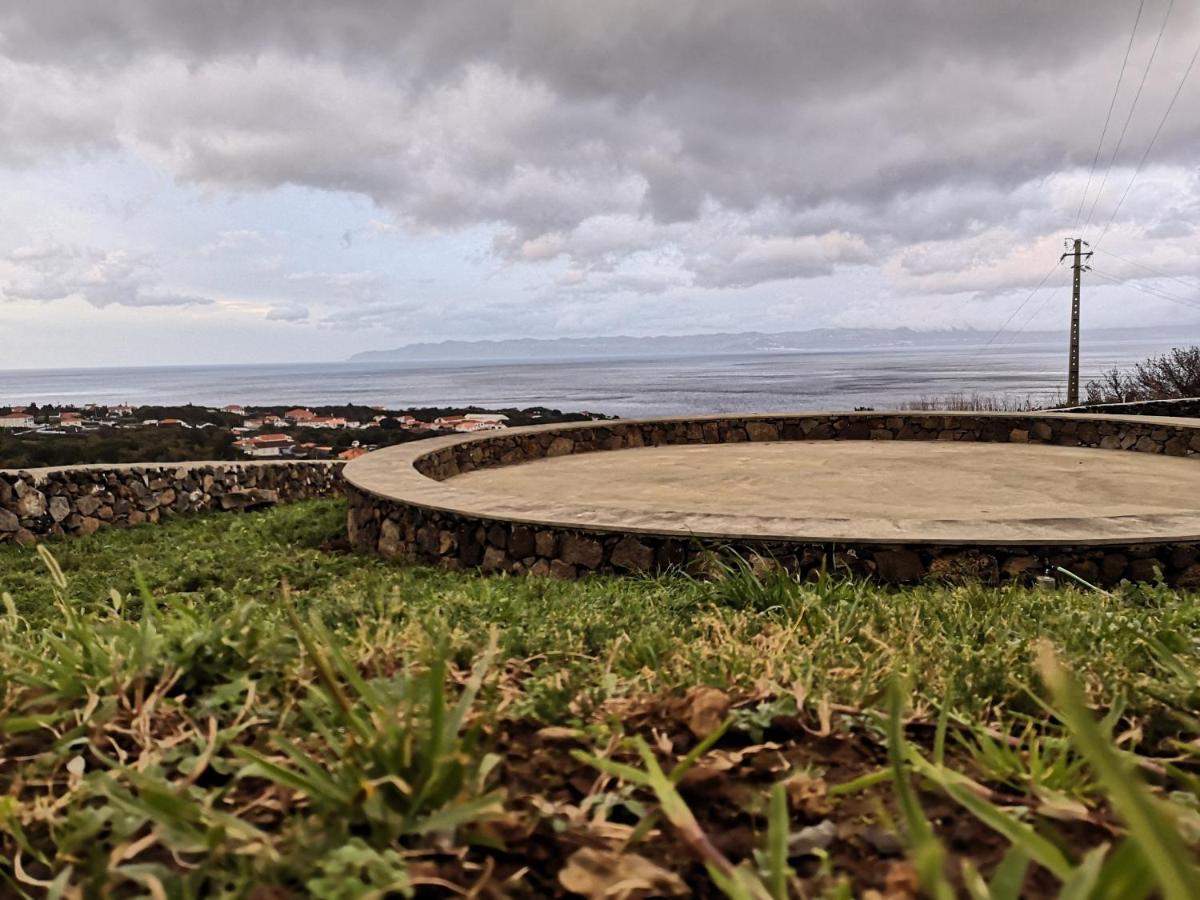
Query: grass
{"x": 232, "y": 701}
{"x": 975, "y": 402}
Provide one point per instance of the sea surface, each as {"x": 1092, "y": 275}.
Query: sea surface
{"x": 776, "y": 381}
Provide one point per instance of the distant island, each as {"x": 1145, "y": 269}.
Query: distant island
{"x": 625, "y": 346}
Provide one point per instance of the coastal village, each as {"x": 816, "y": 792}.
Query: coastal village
{"x": 261, "y": 435}
{"x": 234, "y": 431}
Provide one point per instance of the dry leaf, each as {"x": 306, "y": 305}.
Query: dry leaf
{"x": 607, "y": 874}
{"x": 825, "y": 716}
{"x": 901, "y": 881}
{"x": 808, "y": 795}
{"x": 1056, "y": 805}
{"x": 706, "y": 710}
{"x": 559, "y": 733}
{"x": 724, "y": 760}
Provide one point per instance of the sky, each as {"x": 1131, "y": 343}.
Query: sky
{"x": 249, "y": 181}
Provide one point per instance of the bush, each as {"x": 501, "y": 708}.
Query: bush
{"x": 1167, "y": 377}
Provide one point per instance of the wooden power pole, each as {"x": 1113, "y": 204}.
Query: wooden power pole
{"x": 1073, "y": 356}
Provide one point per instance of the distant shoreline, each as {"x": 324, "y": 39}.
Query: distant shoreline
{"x": 844, "y": 340}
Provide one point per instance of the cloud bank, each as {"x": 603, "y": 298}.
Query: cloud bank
{"x": 620, "y": 151}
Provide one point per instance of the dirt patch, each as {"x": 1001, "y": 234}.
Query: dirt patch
{"x": 566, "y": 817}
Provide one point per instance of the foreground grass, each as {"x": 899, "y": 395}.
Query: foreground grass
{"x": 171, "y": 721}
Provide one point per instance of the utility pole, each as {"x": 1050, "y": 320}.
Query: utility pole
{"x": 1073, "y": 357}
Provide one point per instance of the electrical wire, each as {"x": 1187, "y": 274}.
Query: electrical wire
{"x": 1029, "y": 319}
{"x": 1132, "y": 106}
{"x": 1147, "y": 290}
{"x": 1187, "y": 284}
{"x": 1108, "y": 118}
{"x": 1150, "y": 146}
{"x": 1021, "y": 306}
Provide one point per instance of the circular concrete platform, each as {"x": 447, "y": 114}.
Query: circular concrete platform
{"x": 861, "y": 490}
{"x": 897, "y": 495}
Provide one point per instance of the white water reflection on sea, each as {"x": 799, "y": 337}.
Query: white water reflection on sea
{"x": 840, "y": 379}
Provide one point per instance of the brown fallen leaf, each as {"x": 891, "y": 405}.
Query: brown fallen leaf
{"x": 1056, "y": 805}
{"x": 706, "y": 708}
{"x": 901, "y": 881}
{"x": 608, "y": 874}
{"x": 559, "y": 733}
{"x": 723, "y": 760}
{"x": 808, "y": 795}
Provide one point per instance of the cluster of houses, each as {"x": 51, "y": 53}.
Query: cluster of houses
{"x": 280, "y": 444}
{"x": 22, "y": 420}
{"x": 257, "y": 435}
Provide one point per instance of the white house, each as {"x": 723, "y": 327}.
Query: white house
{"x": 16, "y": 420}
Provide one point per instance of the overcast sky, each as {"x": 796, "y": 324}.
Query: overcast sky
{"x": 246, "y": 181}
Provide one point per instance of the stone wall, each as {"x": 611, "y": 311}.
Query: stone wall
{"x": 414, "y": 531}
{"x": 454, "y": 541}
{"x": 1184, "y": 407}
{"x": 81, "y": 500}
{"x": 1146, "y": 436}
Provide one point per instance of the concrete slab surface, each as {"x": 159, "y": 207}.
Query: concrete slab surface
{"x": 851, "y": 490}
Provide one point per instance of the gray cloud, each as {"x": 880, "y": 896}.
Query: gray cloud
{"x": 649, "y": 147}
{"x": 102, "y": 278}
{"x": 289, "y": 312}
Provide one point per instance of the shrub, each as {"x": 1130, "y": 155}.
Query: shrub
{"x": 1167, "y": 377}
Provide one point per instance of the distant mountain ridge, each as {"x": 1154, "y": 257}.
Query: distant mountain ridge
{"x": 617, "y": 346}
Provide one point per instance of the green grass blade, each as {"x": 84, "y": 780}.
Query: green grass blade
{"x": 861, "y": 783}
{"x": 1008, "y": 880}
{"x": 316, "y": 788}
{"x": 731, "y": 886}
{"x": 928, "y": 854}
{"x": 456, "y": 814}
{"x": 1082, "y": 883}
{"x": 1125, "y": 875}
{"x": 1017, "y": 833}
{"x": 611, "y": 767}
{"x": 693, "y": 755}
{"x": 777, "y": 842}
{"x": 1166, "y": 856}
{"x": 939, "y": 736}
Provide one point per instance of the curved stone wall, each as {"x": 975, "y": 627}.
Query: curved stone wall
{"x": 399, "y": 508}
{"x": 79, "y": 500}
{"x": 1183, "y": 407}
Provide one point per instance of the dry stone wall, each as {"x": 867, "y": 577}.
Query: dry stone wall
{"x": 1146, "y": 436}
{"x": 1184, "y": 407}
{"x": 81, "y": 500}
{"x": 411, "y": 531}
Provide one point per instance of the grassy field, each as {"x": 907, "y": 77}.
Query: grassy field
{"x": 235, "y": 705}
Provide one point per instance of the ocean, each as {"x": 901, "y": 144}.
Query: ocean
{"x": 774, "y": 381}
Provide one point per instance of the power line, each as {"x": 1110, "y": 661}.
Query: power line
{"x": 1150, "y": 146}
{"x": 1162, "y": 295}
{"x": 1153, "y": 291}
{"x": 1021, "y": 306}
{"x": 1187, "y": 284}
{"x": 1112, "y": 103}
{"x": 1120, "y": 140}
{"x": 1037, "y": 311}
